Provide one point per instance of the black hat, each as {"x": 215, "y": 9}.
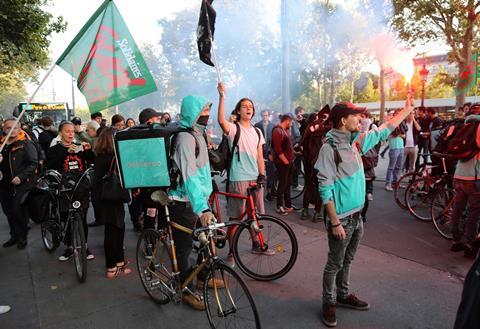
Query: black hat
{"x": 76, "y": 121}
{"x": 343, "y": 110}
{"x": 147, "y": 114}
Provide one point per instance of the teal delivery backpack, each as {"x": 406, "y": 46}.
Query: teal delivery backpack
{"x": 143, "y": 154}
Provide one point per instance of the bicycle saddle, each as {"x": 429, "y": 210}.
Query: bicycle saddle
{"x": 161, "y": 197}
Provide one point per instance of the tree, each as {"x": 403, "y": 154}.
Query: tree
{"x": 452, "y": 22}
{"x": 25, "y": 28}
{"x": 11, "y": 93}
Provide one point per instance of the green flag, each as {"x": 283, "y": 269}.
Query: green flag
{"x": 469, "y": 76}
{"x": 106, "y": 61}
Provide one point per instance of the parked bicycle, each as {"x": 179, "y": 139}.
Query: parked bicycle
{"x": 54, "y": 230}
{"x": 264, "y": 247}
{"x": 230, "y": 305}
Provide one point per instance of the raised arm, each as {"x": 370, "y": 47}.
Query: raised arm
{"x": 222, "y": 121}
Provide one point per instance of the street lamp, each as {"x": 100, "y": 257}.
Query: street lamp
{"x": 423, "y": 76}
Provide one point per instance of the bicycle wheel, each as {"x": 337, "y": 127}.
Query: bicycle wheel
{"x": 79, "y": 247}
{"x": 295, "y": 191}
{"x": 400, "y": 188}
{"x": 418, "y": 198}
{"x": 278, "y": 255}
{"x": 441, "y": 211}
{"x": 50, "y": 231}
{"x": 154, "y": 266}
{"x": 232, "y": 306}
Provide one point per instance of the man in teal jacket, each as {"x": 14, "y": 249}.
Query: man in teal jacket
{"x": 195, "y": 184}
{"x": 342, "y": 188}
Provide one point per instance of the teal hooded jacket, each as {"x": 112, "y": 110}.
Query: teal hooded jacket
{"x": 345, "y": 184}
{"x": 195, "y": 184}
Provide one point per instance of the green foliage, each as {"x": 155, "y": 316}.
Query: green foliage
{"x": 24, "y": 31}
{"x": 368, "y": 94}
{"x": 11, "y": 93}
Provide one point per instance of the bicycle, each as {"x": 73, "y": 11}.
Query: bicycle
{"x": 54, "y": 229}
{"x": 232, "y": 305}
{"x": 400, "y": 188}
{"x": 295, "y": 191}
{"x": 259, "y": 231}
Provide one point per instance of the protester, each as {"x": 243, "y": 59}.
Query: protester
{"x": 48, "y": 133}
{"x": 166, "y": 118}
{"x": 283, "y": 158}
{"x": 342, "y": 189}
{"x": 411, "y": 141}
{"x": 80, "y": 135}
{"x": 423, "y": 136}
{"x": 91, "y": 129}
{"x": 97, "y": 116}
{"x": 71, "y": 160}
{"x": 18, "y": 162}
{"x": 468, "y": 313}
{"x": 118, "y": 122}
{"x": 247, "y": 165}
{"x": 112, "y": 213}
{"x": 266, "y": 128}
{"x": 395, "y": 155}
{"x": 467, "y": 193}
{"x": 130, "y": 122}
{"x": 192, "y": 193}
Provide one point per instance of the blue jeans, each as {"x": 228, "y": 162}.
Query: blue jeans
{"x": 394, "y": 165}
{"x": 466, "y": 192}
{"x": 340, "y": 257}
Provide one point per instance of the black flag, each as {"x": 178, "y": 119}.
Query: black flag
{"x": 205, "y": 31}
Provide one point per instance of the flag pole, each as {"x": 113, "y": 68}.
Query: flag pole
{"x": 26, "y": 106}
{"x": 217, "y": 68}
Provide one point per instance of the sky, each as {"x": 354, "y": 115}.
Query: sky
{"x": 141, "y": 17}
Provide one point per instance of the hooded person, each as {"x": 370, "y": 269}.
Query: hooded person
{"x": 194, "y": 186}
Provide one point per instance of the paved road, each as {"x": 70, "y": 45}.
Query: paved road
{"x": 403, "y": 268}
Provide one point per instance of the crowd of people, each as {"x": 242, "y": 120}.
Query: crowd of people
{"x": 337, "y": 148}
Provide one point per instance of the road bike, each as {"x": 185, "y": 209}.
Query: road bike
{"x": 264, "y": 247}
{"x": 229, "y": 303}
{"x": 54, "y": 230}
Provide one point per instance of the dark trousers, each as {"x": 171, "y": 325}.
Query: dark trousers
{"x": 113, "y": 244}
{"x": 135, "y": 210}
{"x": 369, "y": 189}
{"x": 182, "y": 213}
{"x": 271, "y": 176}
{"x": 466, "y": 192}
{"x": 296, "y": 170}
{"x": 96, "y": 203}
{"x": 311, "y": 194}
{"x": 68, "y": 233}
{"x": 284, "y": 173}
{"x": 468, "y": 316}
{"x": 16, "y": 214}
{"x": 423, "y": 148}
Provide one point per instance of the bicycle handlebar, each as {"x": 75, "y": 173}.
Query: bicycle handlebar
{"x": 212, "y": 227}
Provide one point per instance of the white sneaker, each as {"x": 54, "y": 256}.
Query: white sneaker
{"x": 298, "y": 188}
{"x": 369, "y": 196}
{"x": 4, "y": 309}
{"x": 388, "y": 187}
{"x": 230, "y": 261}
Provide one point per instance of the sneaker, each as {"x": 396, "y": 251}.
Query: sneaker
{"x": 4, "y": 309}
{"x": 329, "y": 317}
{"x": 281, "y": 210}
{"x": 257, "y": 251}
{"x": 291, "y": 209}
{"x": 351, "y": 301}
{"x": 90, "y": 256}
{"x": 94, "y": 224}
{"x": 22, "y": 244}
{"x": 470, "y": 252}
{"x": 317, "y": 217}
{"x": 194, "y": 300}
{"x": 457, "y": 246}
{"x": 388, "y": 187}
{"x": 66, "y": 255}
{"x": 305, "y": 214}
{"x": 370, "y": 196}
{"x": 10, "y": 243}
{"x": 298, "y": 188}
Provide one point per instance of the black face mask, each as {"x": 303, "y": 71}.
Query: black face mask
{"x": 203, "y": 120}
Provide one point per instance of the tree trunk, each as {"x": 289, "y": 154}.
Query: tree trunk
{"x": 331, "y": 100}
{"x": 352, "y": 90}
{"x": 382, "y": 95}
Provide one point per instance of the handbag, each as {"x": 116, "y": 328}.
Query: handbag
{"x": 112, "y": 190}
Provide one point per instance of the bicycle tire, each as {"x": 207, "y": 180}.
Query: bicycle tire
{"x": 400, "y": 188}
{"x": 50, "y": 238}
{"x": 441, "y": 211}
{"x": 154, "y": 277}
{"x": 232, "y": 306}
{"x": 418, "y": 198}
{"x": 278, "y": 237}
{"x": 79, "y": 248}
{"x": 294, "y": 191}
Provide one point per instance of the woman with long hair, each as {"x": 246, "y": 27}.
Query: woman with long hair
{"x": 112, "y": 213}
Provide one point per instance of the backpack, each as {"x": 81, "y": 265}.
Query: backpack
{"x": 446, "y": 135}
{"x": 464, "y": 146}
{"x": 145, "y": 155}
{"x": 221, "y": 158}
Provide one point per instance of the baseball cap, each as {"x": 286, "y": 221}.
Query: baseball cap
{"x": 147, "y": 114}
{"x": 342, "y": 110}
{"x": 76, "y": 121}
